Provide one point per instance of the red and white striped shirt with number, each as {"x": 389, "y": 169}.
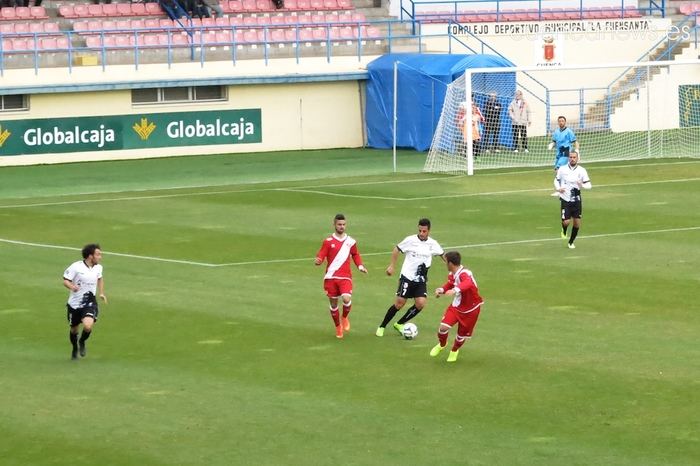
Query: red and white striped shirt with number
{"x": 467, "y": 298}
{"x": 338, "y": 252}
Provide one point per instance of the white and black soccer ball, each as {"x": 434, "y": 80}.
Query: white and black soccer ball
{"x": 410, "y": 331}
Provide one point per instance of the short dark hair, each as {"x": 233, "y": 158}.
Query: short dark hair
{"x": 561, "y": 116}
{"x": 89, "y": 249}
{"x": 424, "y": 222}
{"x": 453, "y": 257}
{"x": 338, "y": 217}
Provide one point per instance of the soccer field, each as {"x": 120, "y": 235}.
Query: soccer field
{"x": 217, "y": 347}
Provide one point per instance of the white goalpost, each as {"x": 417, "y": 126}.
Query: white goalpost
{"x": 618, "y": 111}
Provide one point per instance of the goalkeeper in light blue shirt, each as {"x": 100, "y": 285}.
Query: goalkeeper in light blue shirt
{"x": 564, "y": 139}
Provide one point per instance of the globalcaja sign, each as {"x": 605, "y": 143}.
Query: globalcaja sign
{"x": 137, "y": 131}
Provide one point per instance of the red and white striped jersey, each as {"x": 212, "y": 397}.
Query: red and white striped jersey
{"x": 466, "y": 298}
{"x": 338, "y": 252}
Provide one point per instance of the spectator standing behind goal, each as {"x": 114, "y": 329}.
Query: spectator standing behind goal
{"x": 492, "y": 125}
{"x": 464, "y": 309}
{"x": 519, "y": 112}
{"x": 568, "y": 182}
{"x": 563, "y": 139}
{"x": 84, "y": 280}
{"x": 338, "y": 249}
{"x": 418, "y": 253}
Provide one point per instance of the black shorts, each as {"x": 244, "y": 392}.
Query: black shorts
{"x": 571, "y": 209}
{"x": 76, "y": 316}
{"x": 410, "y": 289}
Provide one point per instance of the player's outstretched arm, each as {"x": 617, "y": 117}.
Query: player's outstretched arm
{"x": 392, "y": 263}
{"x": 101, "y": 290}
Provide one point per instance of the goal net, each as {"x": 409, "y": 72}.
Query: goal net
{"x": 617, "y": 112}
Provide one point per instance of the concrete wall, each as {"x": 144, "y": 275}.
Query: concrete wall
{"x": 311, "y": 115}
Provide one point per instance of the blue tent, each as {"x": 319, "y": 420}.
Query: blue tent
{"x": 421, "y": 94}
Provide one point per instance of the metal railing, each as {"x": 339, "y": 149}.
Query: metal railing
{"x": 198, "y": 42}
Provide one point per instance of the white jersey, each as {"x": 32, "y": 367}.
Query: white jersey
{"x": 569, "y": 178}
{"x": 418, "y": 253}
{"x": 83, "y": 276}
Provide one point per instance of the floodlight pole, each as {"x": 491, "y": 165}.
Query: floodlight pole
{"x": 396, "y": 90}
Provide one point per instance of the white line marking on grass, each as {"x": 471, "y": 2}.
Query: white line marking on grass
{"x": 108, "y": 253}
{"x": 310, "y": 259}
{"x": 325, "y": 193}
{"x": 477, "y": 245}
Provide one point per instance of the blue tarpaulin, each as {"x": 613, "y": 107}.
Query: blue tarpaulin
{"x": 421, "y": 94}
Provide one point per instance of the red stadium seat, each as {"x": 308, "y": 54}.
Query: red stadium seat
{"x": 290, "y": 5}
{"x": 373, "y": 32}
{"x": 110, "y": 9}
{"x": 37, "y": 12}
{"x": 7, "y": 28}
{"x": 49, "y": 43}
{"x": 235, "y": 6}
{"x": 235, "y": 20}
{"x": 51, "y": 28}
{"x": 303, "y": 5}
{"x": 81, "y": 11}
{"x": 7, "y": 45}
{"x": 346, "y": 4}
{"x": 264, "y": 5}
{"x": 80, "y": 26}
{"x": 250, "y": 36}
{"x": 317, "y": 18}
{"x": 36, "y": 27}
{"x": 250, "y": 5}
{"x": 316, "y": 4}
{"x": 21, "y": 28}
{"x": 124, "y": 9}
{"x": 136, "y": 24}
{"x": 8, "y": 13}
{"x": 139, "y": 9}
{"x": 95, "y": 10}
{"x": 166, "y": 23}
{"x": 23, "y": 12}
{"x": 153, "y": 9}
{"x": 122, "y": 41}
{"x": 320, "y": 34}
{"x": 93, "y": 42}
{"x": 306, "y": 35}
{"x": 180, "y": 39}
{"x": 20, "y": 45}
{"x": 63, "y": 43}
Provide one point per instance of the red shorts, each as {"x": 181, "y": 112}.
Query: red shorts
{"x": 467, "y": 321}
{"x": 336, "y": 287}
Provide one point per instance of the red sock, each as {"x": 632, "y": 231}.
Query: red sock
{"x": 459, "y": 341}
{"x": 346, "y": 309}
{"x": 442, "y": 337}
{"x": 335, "y": 316}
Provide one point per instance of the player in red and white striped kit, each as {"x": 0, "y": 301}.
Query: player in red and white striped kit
{"x": 339, "y": 248}
{"x": 465, "y": 307}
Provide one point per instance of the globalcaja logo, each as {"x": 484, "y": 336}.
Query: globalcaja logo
{"x": 144, "y": 128}
{"x": 4, "y": 134}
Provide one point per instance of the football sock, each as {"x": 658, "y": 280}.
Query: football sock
{"x": 390, "y": 313}
{"x": 574, "y": 232}
{"x": 335, "y": 316}
{"x": 459, "y": 341}
{"x": 346, "y": 308}
{"x": 410, "y": 314}
{"x": 84, "y": 336}
{"x": 564, "y": 228}
{"x": 73, "y": 339}
{"x": 442, "y": 338}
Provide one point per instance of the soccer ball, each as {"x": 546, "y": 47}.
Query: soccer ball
{"x": 410, "y": 331}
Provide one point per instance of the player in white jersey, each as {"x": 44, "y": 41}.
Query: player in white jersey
{"x": 84, "y": 280}
{"x": 568, "y": 182}
{"x": 418, "y": 251}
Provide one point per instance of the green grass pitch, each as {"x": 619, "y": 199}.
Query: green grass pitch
{"x": 217, "y": 348}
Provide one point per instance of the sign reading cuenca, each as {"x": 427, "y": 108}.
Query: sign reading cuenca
{"x": 138, "y": 131}
{"x": 553, "y": 27}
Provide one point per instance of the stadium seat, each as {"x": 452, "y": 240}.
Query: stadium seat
{"x": 49, "y": 43}
{"x": 373, "y": 32}
{"x": 38, "y": 12}
{"x": 290, "y": 5}
{"x": 51, "y": 28}
{"x": 316, "y": 4}
{"x": 235, "y": 6}
{"x": 320, "y": 34}
{"x": 124, "y": 9}
{"x": 290, "y": 34}
{"x": 121, "y": 41}
{"x": 93, "y": 42}
{"x": 303, "y": 5}
{"x": 180, "y": 39}
{"x": 346, "y": 5}
{"x": 7, "y": 28}
{"x": 36, "y": 27}
{"x": 80, "y": 11}
{"x": 95, "y": 10}
{"x": 7, "y": 45}
{"x": 20, "y": 45}
{"x": 109, "y": 9}
{"x": 264, "y": 5}
{"x": 63, "y": 43}
{"x": 250, "y": 6}
{"x": 250, "y": 36}
{"x": 22, "y": 12}
{"x": 139, "y": 9}
{"x": 135, "y": 24}
{"x": 8, "y": 14}
{"x": 235, "y": 21}
{"x": 21, "y": 28}
{"x": 153, "y": 9}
